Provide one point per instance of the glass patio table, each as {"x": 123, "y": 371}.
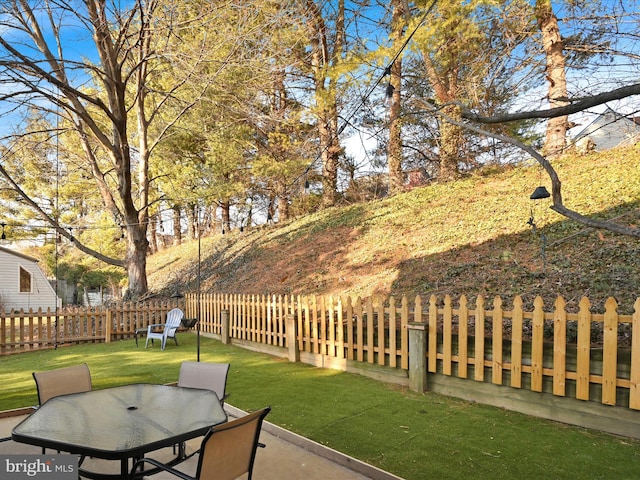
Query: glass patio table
{"x": 121, "y": 423}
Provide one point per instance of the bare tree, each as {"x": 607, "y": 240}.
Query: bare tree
{"x": 108, "y": 95}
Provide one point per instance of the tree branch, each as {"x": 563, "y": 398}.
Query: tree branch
{"x": 59, "y": 229}
{"x": 575, "y": 106}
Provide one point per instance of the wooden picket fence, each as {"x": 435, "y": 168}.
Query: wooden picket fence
{"x": 31, "y": 330}
{"x": 582, "y": 355}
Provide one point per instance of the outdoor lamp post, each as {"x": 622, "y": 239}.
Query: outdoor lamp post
{"x": 540, "y": 193}
{"x": 198, "y": 305}
{"x": 3, "y": 239}
{"x": 177, "y": 295}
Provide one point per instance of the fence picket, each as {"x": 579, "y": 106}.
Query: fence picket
{"x": 497, "y": 333}
{"x": 393, "y": 328}
{"x": 537, "y": 343}
{"x": 340, "y": 329}
{"x": 404, "y": 335}
{"x": 331, "y": 348}
{"x": 370, "y": 331}
{"x": 379, "y": 302}
{"x": 432, "y": 351}
{"x": 583, "y": 366}
{"x": 350, "y": 337}
{"x": 447, "y": 335}
{"x": 359, "y": 330}
{"x": 307, "y": 326}
{"x": 610, "y": 352}
{"x": 559, "y": 347}
{"x": 463, "y": 338}
{"x": 516, "y": 342}
{"x": 478, "y": 356}
{"x": 634, "y": 389}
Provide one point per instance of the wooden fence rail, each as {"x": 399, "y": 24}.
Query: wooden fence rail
{"x": 581, "y": 355}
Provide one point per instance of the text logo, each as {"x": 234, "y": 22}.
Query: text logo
{"x": 50, "y": 467}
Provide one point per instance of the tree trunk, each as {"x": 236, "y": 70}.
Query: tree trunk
{"x": 271, "y": 208}
{"x": 177, "y": 227}
{"x": 153, "y": 234}
{"x": 136, "y": 260}
{"x": 225, "y": 207}
{"x": 452, "y": 138}
{"x": 451, "y": 145}
{"x": 394, "y": 152}
{"x": 553, "y": 45}
{"x": 322, "y": 59}
{"x": 330, "y": 158}
{"x": 283, "y": 203}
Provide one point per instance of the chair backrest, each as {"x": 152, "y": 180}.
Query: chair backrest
{"x": 174, "y": 317}
{"x": 229, "y": 450}
{"x": 62, "y": 381}
{"x": 209, "y": 376}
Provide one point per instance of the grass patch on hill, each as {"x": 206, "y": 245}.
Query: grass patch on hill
{"x": 468, "y": 237}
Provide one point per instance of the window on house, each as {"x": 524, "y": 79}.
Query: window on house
{"x": 25, "y": 281}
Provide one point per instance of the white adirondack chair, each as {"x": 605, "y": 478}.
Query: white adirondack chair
{"x": 162, "y": 331}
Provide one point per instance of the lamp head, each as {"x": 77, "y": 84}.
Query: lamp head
{"x": 539, "y": 193}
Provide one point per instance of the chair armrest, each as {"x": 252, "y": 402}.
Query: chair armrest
{"x": 161, "y": 466}
{"x": 153, "y": 326}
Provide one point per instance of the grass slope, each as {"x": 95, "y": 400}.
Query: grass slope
{"x": 468, "y": 237}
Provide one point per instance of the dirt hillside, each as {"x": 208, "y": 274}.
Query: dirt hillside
{"x": 473, "y": 236}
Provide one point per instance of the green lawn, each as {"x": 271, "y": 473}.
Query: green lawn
{"x": 414, "y": 436}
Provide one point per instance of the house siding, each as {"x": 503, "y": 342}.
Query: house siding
{"x": 609, "y": 130}
{"x": 42, "y": 294}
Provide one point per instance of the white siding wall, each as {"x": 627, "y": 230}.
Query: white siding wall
{"x": 42, "y": 294}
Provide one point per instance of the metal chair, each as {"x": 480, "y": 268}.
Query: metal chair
{"x": 62, "y": 381}
{"x": 162, "y": 331}
{"x": 227, "y": 451}
{"x": 208, "y": 376}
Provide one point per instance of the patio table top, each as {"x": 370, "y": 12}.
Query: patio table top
{"x": 287, "y": 455}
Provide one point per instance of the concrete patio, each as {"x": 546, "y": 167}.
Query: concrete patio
{"x": 287, "y": 456}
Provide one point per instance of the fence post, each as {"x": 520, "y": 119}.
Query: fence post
{"x": 418, "y": 356}
{"x": 107, "y": 326}
{"x": 224, "y": 326}
{"x": 292, "y": 335}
